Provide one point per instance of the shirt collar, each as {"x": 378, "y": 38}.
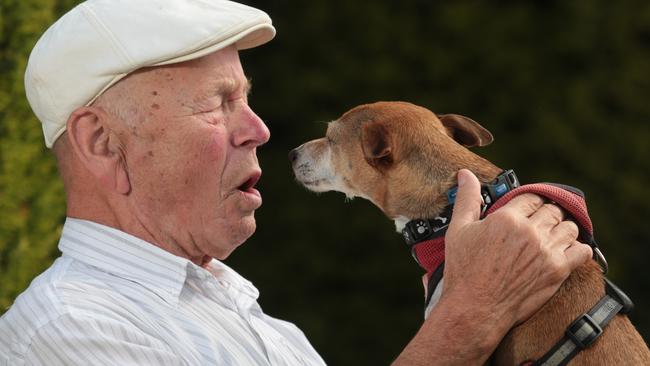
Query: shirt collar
{"x": 127, "y": 256}
{"x": 124, "y": 255}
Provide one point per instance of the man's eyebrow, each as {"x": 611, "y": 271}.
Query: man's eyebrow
{"x": 230, "y": 85}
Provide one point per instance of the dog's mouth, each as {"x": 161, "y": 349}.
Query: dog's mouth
{"x": 315, "y": 183}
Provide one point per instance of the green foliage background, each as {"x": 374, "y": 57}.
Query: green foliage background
{"x": 563, "y": 86}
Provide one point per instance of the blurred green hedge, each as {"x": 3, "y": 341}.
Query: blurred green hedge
{"x": 563, "y": 86}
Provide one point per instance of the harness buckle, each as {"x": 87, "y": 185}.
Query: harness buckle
{"x": 584, "y": 331}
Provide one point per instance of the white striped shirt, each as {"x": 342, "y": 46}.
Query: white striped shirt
{"x": 114, "y": 299}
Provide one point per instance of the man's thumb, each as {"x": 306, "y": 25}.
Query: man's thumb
{"x": 467, "y": 208}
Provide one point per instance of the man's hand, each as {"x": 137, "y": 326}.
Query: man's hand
{"x": 515, "y": 259}
{"x": 498, "y": 272}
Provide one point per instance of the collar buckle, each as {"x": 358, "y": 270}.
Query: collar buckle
{"x": 416, "y": 231}
{"x": 491, "y": 192}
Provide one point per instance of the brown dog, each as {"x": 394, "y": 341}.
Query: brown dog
{"x": 404, "y": 158}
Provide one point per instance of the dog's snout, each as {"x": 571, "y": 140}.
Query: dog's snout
{"x": 293, "y": 155}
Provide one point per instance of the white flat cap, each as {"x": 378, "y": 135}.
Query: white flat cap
{"x": 99, "y": 42}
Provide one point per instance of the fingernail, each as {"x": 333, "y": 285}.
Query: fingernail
{"x": 461, "y": 178}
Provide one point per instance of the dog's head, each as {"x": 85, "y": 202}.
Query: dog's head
{"x": 394, "y": 154}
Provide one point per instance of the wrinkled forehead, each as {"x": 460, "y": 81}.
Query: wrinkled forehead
{"x": 217, "y": 73}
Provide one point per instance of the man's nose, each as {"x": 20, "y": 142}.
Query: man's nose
{"x": 251, "y": 129}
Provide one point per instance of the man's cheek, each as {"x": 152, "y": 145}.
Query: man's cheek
{"x": 211, "y": 143}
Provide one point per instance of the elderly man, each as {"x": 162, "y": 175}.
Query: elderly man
{"x": 145, "y": 106}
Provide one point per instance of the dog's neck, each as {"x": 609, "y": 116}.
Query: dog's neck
{"x": 431, "y": 198}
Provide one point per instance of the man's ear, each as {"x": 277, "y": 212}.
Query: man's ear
{"x": 465, "y": 130}
{"x": 95, "y": 146}
{"x": 377, "y": 144}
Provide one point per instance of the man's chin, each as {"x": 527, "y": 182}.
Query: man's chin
{"x": 249, "y": 225}
{"x": 238, "y": 236}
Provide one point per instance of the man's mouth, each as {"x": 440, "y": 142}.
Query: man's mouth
{"x": 249, "y": 184}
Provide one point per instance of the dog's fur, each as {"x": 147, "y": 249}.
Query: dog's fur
{"x": 403, "y": 158}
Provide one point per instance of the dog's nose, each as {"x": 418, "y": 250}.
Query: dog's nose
{"x": 293, "y": 155}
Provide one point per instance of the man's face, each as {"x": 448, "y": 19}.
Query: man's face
{"x": 190, "y": 154}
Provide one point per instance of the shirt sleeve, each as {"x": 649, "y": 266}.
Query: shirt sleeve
{"x": 74, "y": 340}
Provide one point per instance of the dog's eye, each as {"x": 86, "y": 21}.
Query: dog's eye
{"x": 329, "y": 140}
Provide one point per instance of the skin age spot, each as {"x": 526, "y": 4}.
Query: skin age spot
{"x": 150, "y": 153}
{"x": 155, "y": 106}
{"x": 154, "y": 93}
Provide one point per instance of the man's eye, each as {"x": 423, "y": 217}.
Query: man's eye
{"x": 212, "y": 109}
{"x": 237, "y": 99}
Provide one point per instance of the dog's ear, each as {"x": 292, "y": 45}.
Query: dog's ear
{"x": 376, "y": 144}
{"x": 465, "y": 130}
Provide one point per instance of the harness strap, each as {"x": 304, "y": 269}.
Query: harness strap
{"x": 433, "y": 281}
{"x": 429, "y": 254}
{"x": 587, "y": 328}
{"x": 571, "y": 200}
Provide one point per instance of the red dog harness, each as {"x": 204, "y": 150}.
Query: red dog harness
{"x": 430, "y": 253}
{"x": 427, "y": 241}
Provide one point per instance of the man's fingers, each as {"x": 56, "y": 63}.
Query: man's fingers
{"x": 467, "y": 207}
{"x": 525, "y": 204}
{"x": 565, "y": 233}
{"x": 577, "y": 254}
{"x": 547, "y": 215}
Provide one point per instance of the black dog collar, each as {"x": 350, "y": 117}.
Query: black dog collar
{"x": 419, "y": 230}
